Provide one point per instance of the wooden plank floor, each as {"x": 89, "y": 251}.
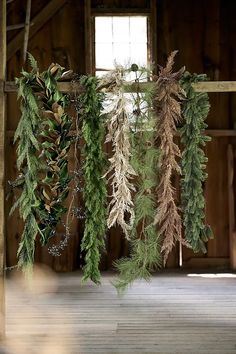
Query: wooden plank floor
{"x": 174, "y": 313}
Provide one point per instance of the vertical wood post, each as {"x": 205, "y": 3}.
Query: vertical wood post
{"x": 2, "y": 162}
{"x": 153, "y": 33}
{"x": 232, "y": 231}
{"x": 88, "y": 37}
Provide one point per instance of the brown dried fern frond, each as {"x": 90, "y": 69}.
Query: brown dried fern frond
{"x": 167, "y": 104}
{"x": 120, "y": 171}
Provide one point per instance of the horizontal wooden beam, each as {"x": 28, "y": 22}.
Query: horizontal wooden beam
{"x": 38, "y": 21}
{"x": 116, "y": 11}
{"x": 215, "y": 86}
{"x": 17, "y": 26}
{"x": 209, "y": 86}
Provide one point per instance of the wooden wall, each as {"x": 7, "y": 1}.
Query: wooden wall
{"x": 204, "y": 33}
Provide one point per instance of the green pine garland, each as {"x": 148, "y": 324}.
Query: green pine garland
{"x": 43, "y": 143}
{"x": 195, "y": 111}
{"x": 90, "y": 103}
{"x": 145, "y": 246}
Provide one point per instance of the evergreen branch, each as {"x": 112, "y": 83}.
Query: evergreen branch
{"x": 145, "y": 244}
{"x": 90, "y": 106}
{"x": 195, "y": 110}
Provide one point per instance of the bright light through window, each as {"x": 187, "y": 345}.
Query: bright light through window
{"x": 212, "y": 275}
{"x": 120, "y": 39}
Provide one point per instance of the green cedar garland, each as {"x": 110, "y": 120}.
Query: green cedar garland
{"x": 195, "y": 110}
{"x": 90, "y": 103}
{"x": 145, "y": 246}
{"x": 43, "y": 143}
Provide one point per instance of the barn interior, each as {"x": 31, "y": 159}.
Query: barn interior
{"x": 195, "y": 289}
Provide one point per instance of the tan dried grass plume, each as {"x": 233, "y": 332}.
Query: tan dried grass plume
{"x": 167, "y": 104}
{"x": 121, "y": 208}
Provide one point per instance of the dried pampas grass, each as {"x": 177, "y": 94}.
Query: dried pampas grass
{"x": 120, "y": 172}
{"x": 167, "y": 103}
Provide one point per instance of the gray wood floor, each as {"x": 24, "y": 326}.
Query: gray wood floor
{"x": 174, "y": 313}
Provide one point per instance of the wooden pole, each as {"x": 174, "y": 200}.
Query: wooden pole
{"x": 27, "y": 29}
{"x": 2, "y": 163}
{"x": 232, "y": 231}
{"x": 153, "y": 34}
{"x": 88, "y": 37}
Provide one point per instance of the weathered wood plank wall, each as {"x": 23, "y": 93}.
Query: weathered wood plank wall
{"x": 2, "y": 163}
{"x": 203, "y": 32}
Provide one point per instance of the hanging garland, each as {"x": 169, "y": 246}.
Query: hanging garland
{"x": 43, "y": 144}
{"x": 28, "y": 165}
{"x": 90, "y": 103}
{"x": 120, "y": 170}
{"x": 43, "y": 136}
{"x": 167, "y": 103}
{"x": 145, "y": 246}
{"x": 195, "y": 110}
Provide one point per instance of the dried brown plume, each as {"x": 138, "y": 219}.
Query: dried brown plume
{"x": 167, "y": 104}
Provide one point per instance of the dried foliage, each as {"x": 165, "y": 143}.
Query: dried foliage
{"x": 167, "y": 102}
{"x": 195, "y": 110}
{"x": 120, "y": 172}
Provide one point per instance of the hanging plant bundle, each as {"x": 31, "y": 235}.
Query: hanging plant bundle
{"x": 167, "y": 103}
{"x": 120, "y": 172}
{"x": 43, "y": 144}
{"x": 145, "y": 246}
{"x": 195, "y": 110}
{"x": 90, "y": 106}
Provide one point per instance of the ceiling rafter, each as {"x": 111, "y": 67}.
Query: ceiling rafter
{"x": 38, "y": 22}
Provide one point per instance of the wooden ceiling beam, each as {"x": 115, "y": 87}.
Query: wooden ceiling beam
{"x": 38, "y": 22}
{"x": 205, "y": 86}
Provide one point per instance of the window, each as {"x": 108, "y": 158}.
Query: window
{"x": 120, "y": 39}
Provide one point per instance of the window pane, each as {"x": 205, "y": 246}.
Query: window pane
{"x": 121, "y": 29}
{"x": 138, "y": 29}
{"x": 104, "y": 56}
{"x": 101, "y": 73}
{"x": 120, "y": 39}
{"x": 121, "y": 53}
{"x": 103, "y": 29}
{"x": 139, "y": 53}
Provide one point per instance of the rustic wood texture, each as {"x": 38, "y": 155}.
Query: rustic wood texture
{"x": 232, "y": 230}
{"x": 209, "y": 86}
{"x": 204, "y": 33}
{"x": 88, "y": 33}
{"x": 38, "y": 21}
{"x": 172, "y": 314}
{"x": 2, "y": 163}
